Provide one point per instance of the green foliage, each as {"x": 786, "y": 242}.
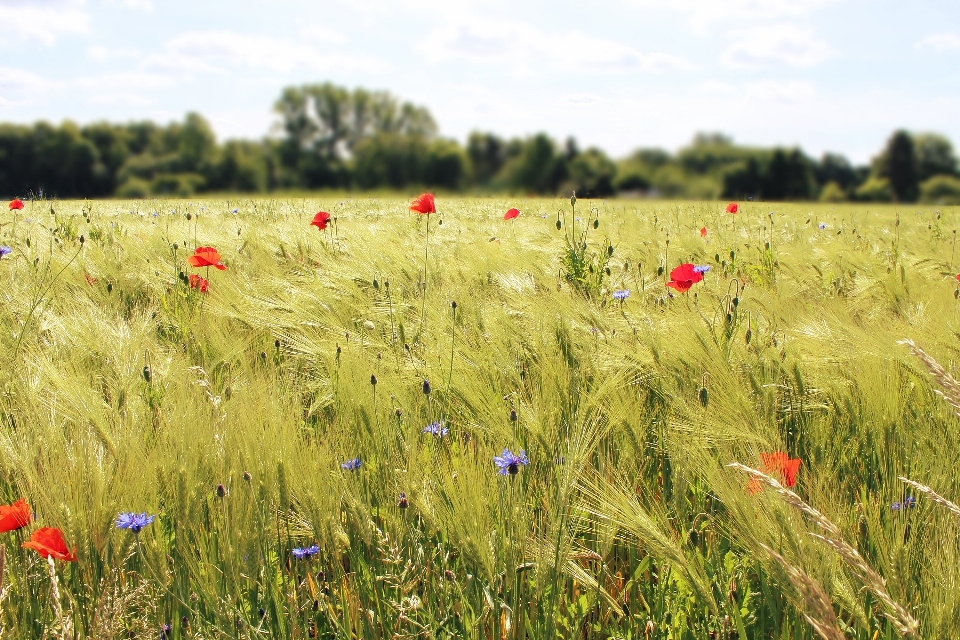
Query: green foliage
{"x": 833, "y": 192}
{"x": 125, "y": 390}
{"x": 875, "y": 190}
{"x": 941, "y": 190}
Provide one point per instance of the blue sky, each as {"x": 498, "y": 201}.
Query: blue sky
{"x": 823, "y": 74}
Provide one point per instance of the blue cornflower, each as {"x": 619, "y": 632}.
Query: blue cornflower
{"x": 351, "y": 465}
{"x": 235, "y": 210}
{"x": 621, "y": 294}
{"x": 437, "y": 429}
{"x": 305, "y": 552}
{"x": 822, "y": 226}
{"x": 5, "y": 250}
{"x": 701, "y": 268}
{"x": 509, "y": 463}
{"x": 133, "y": 521}
{"x": 908, "y": 503}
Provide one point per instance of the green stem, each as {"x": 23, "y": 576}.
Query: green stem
{"x": 426, "y": 246}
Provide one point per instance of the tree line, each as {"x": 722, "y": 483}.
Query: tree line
{"x": 333, "y": 137}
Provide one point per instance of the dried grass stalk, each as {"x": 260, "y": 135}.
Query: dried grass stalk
{"x": 896, "y": 613}
{"x": 936, "y": 497}
{"x": 819, "y": 613}
{"x": 951, "y": 388}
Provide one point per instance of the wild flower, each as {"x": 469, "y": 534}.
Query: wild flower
{"x": 14, "y": 516}
{"x": 424, "y": 204}
{"x": 199, "y": 283}
{"x": 206, "y": 257}
{"x": 320, "y": 220}
{"x": 402, "y": 501}
{"x": 733, "y": 207}
{"x": 5, "y": 251}
{"x": 908, "y": 503}
{"x": 133, "y": 521}
{"x": 351, "y": 465}
{"x": 511, "y": 214}
{"x": 16, "y": 204}
{"x": 703, "y": 232}
{"x": 822, "y": 226}
{"x": 509, "y": 463}
{"x": 781, "y": 464}
{"x": 437, "y": 429}
{"x": 684, "y": 277}
{"x": 701, "y": 268}
{"x": 305, "y": 552}
{"x": 621, "y": 294}
{"x": 49, "y": 543}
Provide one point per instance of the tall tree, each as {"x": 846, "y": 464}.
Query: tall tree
{"x": 898, "y": 164}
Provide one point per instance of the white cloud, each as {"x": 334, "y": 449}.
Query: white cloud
{"x": 527, "y": 49}
{"x": 14, "y": 83}
{"x": 42, "y": 21}
{"x": 703, "y": 13}
{"x": 324, "y": 34}
{"x": 940, "y": 42}
{"x": 142, "y": 5}
{"x": 220, "y": 51}
{"x": 775, "y": 45}
{"x": 580, "y": 98}
{"x": 99, "y": 53}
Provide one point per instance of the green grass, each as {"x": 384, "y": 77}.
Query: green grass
{"x": 125, "y": 390}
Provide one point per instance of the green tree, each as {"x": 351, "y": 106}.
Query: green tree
{"x": 446, "y": 165}
{"x": 934, "y": 156}
{"x": 898, "y": 165}
{"x": 487, "y": 153}
{"x": 536, "y": 167}
{"x": 592, "y": 173}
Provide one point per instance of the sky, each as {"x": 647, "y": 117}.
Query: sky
{"x": 826, "y": 75}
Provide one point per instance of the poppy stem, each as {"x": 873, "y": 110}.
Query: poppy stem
{"x": 426, "y": 247}
{"x": 453, "y": 340}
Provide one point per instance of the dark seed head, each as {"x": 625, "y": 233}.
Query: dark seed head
{"x": 704, "y": 396}
{"x": 426, "y": 387}
{"x": 276, "y": 343}
{"x": 373, "y": 379}
{"x": 733, "y": 254}
{"x": 596, "y": 223}
{"x": 221, "y": 491}
{"x": 454, "y": 305}
{"x": 82, "y": 240}
{"x": 109, "y": 287}
{"x": 147, "y": 374}
{"x": 660, "y": 271}
{"x": 402, "y": 501}
{"x": 513, "y": 415}
{"x": 736, "y": 301}
{"x": 748, "y": 335}
{"x": 376, "y": 285}
{"x": 261, "y": 612}
{"x": 247, "y": 476}
{"x": 559, "y": 224}
{"x": 189, "y": 216}
{"x": 263, "y": 355}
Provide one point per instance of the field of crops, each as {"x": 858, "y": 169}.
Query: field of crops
{"x": 455, "y": 425}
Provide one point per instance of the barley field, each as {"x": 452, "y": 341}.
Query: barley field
{"x": 453, "y": 425}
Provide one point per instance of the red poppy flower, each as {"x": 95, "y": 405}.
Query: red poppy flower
{"x": 684, "y": 277}
{"x": 14, "y": 516}
{"x": 733, "y": 207}
{"x": 511, "y": 214}
{"x": 16, "y": 203}
{"x": 197, "y": 282}
{"x": 320, "y": 220}
{"x": 703, "y": 232}
{"x": 49, "y": 543}
{"x": 781, "y": 464}
{"x": 958, "y": 277}
{"x": 206, "y": 257}
{"x": 424, "y": 204}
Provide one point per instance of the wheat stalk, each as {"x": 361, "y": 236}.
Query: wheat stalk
{"x": 951, "y": 388}
{"x": 936, "y": 497}
{"x": 897, "y": 614}
{"x": 821, "y": 615}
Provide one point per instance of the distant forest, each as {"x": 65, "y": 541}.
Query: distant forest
{"x": 330, "y": 137}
